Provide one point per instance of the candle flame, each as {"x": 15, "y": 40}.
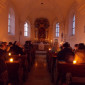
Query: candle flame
{"x": 9, "y": 54}
{"x": 36, "y": 64}
{"x": 74, "y": 62}
{"x": 49, "y": 49}
{"x": 19, "y": 54}
{"x": 11, "y": 60}
{"x": 51, "y": 41}
{"x": 61, "y": 43}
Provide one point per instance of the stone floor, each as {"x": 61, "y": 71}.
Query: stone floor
{"x": 39, "y": 74}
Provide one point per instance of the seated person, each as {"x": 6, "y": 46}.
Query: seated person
{"x": 80, "y": 53}
{"x": 2, "y": 52}
{"x": 16, "y": 49}
{"x": 66, "y": 54}
{"x": 75, "y": 48}
{"x": 55, "y": 47}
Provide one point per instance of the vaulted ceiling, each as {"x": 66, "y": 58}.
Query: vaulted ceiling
{"x": 43, "y": 8}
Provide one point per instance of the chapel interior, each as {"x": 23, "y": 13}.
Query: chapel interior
{"x": 45, "y": 25}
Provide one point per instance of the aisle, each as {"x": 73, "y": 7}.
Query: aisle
{"x": 39, "y": 74}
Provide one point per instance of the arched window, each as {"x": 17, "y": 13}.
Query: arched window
{"x": 27, "y": 29}
{"x": 11, "y": 22}
{"x": 73, "y": 27}
{"x": 57, "y": 30}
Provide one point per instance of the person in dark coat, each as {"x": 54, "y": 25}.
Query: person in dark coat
{"x": 66, "y": 54}
{"x": 15, "y": 49}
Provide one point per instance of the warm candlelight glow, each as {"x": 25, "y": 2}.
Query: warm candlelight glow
{"x": 9, "y": 54}
{"x": 74, "y": 62}
{"x": 61, "y": 43}
{"x": 11, "y": 60}
{"x": 44, "y": 64}
{"x": 51, "y": 41}
{"x": 49, "y": 49}
{"x": 36, "y": 64}
{"x": 19, "y": 54}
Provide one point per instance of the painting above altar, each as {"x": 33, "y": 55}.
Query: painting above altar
{"x": 42, "y": 25}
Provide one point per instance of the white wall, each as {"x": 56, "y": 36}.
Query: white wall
{"x": 52, "y": 15}
{"x": 51, "y": 31}
{"x": 79, "y": 37}
{"x": 4, "y": 23}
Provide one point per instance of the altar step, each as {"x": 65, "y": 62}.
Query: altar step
{"x": 41, "y": 52}
{"x": 41, "y": 55}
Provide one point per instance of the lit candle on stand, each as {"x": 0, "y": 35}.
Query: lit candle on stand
{"x": 9, "y": 54}
{"x": 74, "y": 62}
{"x": 11, "y": 60}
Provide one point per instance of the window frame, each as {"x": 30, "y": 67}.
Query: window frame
{"x": 73, "y": 25}
{"x": 26, "y": 29}
{"x": 11, "y": 22}
{"x": 57, "y": 30}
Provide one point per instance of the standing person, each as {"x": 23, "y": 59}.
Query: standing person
{"x": 28, "y": 48}
{"x": 55, "y": 50}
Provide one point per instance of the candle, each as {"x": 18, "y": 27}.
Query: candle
{"x": 9, "y": 54}
{"x": 11, "y": 60}
{"x": 51, "y": 41}
{"x": 36, "y": 64}
{"x": 74, "y": 62}
{"x": 49, "y": 49}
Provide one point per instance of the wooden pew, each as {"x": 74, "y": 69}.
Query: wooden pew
{"x": 3, "y": 72}
{"x": 23, "y": 62}
{"x": 4, "y": 78}
{"x": 76, "y": 70}
{"x": 15, "y": 72}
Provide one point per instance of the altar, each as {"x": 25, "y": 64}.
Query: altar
{"x": 41, "y": 46}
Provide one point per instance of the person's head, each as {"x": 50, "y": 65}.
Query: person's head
{"x": 76, "y": 46}
{"x": 29, "y": 42}
{"x": 2, "y": 46}
{"x": 81, "y": 46}
{"x": 26, "y": 42}
{"x": 10, "y": 43}
{"x": 4, "y": 43}
{"x": 66, "y": 45}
